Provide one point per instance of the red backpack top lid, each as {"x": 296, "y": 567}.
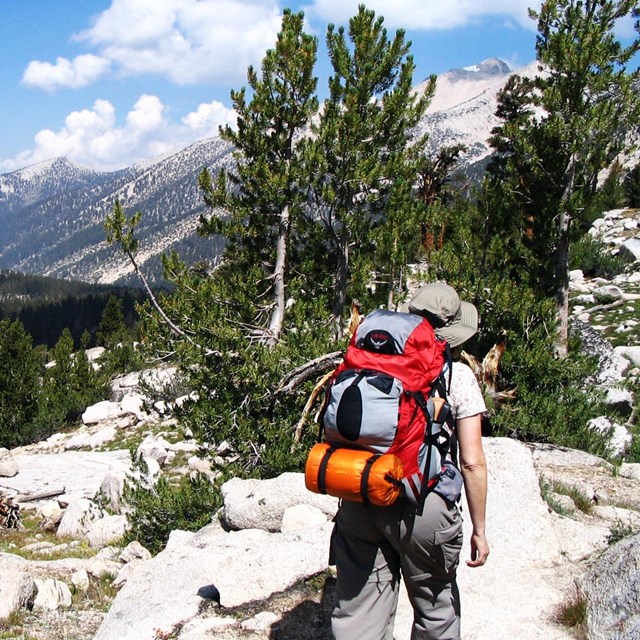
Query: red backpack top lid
{"x": 402, "y": 345}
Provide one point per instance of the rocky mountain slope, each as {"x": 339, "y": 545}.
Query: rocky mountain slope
{"x": 52, "y": 214}
{"x": 62, "y": 235}
{"x": 44, "y": 180}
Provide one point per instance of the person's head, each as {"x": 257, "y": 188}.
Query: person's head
{"x": 452, "y": 319}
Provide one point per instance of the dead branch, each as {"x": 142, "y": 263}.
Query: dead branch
{"x": 307, "y": 407}
{"x": 9, "y": 513}
{"x": 317, "y": 366}
{"x": 487, "y": 373}
{"x": 606, "y": 307}
{"x": 308, "y": 370}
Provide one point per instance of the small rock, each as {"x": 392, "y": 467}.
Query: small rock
{"x": 133, "y": 403}
{"x": 80, "y": 580}
{"x": 125, "y": 573}
{"x": 198, "y": 629}
{"x": 630, "y": 249}
{"x": 630, "y": 470}
{"x": 134, "y": 551}
{"x": 18, "y": 591}
{"x": 77, "y": 517}
{"x": 52, "y": 594}
{"x": 8, "y": 466}
{"x": 101, "y": 568}
{"x": 112, "y": 487}
{"x": 152, "y": 448}
{"x": 608, "y": 294}
{"x": 38, "y": 546}
{"x": 106, "y": 530}
{"x": 198, "y": 464}
{"x": 619, "y": 437}
{"x": 78, "y": 441}
{"x": 101, "y": 411}
{"x": 260, "y": 622}
{"x": 108, "y": 434}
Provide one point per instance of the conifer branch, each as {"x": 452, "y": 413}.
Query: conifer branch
{"x": 120, "y": 229}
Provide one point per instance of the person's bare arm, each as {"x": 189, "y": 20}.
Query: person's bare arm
{"x": 474, "y": 471}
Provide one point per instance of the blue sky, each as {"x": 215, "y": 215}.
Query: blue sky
{"x": 107, "y": 83}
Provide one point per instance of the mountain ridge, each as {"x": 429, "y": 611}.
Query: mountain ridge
{"x": 52, "y": 214}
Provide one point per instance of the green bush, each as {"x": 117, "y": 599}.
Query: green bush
{"x": 594, "y": 259}
{"x": 551, "y": 402}
{"x": 69, "y": 385}
{"x": 572, "y": 613}
{"x": 158, "y": 509}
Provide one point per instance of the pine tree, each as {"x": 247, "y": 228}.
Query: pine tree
{"x": 266, "y": 190}
{"x": 364, "y": 154}
{"x": 20, "y": 371}
{"x": 69, "y": 385}
{"x": 112, "y": 328}
{"x": 568, "y": 124}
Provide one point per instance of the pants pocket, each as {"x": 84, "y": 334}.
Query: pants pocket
{"x": 449, "y": 541}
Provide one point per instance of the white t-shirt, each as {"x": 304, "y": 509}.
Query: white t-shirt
{"x": 464, "y": 394}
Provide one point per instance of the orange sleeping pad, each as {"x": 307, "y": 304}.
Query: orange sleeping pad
{"x": 355, "y": 475}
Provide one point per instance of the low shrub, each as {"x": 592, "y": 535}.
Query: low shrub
{"x": 157, "y": 509}
{"x": 594, "y": 259}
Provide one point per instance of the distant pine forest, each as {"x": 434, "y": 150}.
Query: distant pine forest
{"x": 45, "y": 306}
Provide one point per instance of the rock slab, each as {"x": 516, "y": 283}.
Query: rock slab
{"x": 242, "y": 566}
{"x": 612, "y": 589}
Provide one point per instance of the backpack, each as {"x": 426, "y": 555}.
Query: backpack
{"x": 386, "y": 399}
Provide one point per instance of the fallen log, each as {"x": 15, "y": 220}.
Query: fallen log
{"x": 30, "y": 497}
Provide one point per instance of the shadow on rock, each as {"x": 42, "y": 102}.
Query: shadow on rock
{"x": 308, "y": 620}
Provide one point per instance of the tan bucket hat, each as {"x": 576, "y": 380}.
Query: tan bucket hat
{"x": 452, "y": 319}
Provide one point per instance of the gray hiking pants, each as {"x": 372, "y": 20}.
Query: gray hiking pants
{"x": 373, "y": 546}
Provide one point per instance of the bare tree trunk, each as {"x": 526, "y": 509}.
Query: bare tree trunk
{"x": 342, "y": 273}
{"x": 562, "y": 278}
{"x": 562, "y": 262}
{"x": 277, "y": 315}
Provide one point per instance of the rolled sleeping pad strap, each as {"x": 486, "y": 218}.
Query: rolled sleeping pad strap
{"x": 322, "y": 470}
{"x": 364, "y": 481}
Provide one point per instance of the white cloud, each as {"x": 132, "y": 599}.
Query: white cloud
{"x": 92, "y": 137}
{"x": 79, "y": 72}
{"x": 187, "y": 41}
{"x": 426, "y": 14}
{"x": 209, "y": 117}
{"x": 192, "y": 41}
{"x": 146, "y": 114}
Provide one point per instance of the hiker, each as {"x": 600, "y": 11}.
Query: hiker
{"x": 373, "y": 546}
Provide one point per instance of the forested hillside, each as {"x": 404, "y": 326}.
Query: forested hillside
{"x": 45, "y": 306}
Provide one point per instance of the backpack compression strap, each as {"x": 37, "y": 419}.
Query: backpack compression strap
{"x": 364, "y": 480}
{"x": 437, "y": 412}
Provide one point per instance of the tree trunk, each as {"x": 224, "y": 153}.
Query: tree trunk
{"x": 562, "y": 262}
{"x": 277, "y": 315}
{"x": 342, "y": 277}
{"x": 562, "y": 279}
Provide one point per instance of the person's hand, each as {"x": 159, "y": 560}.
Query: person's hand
{"x": 479, "y": 550}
